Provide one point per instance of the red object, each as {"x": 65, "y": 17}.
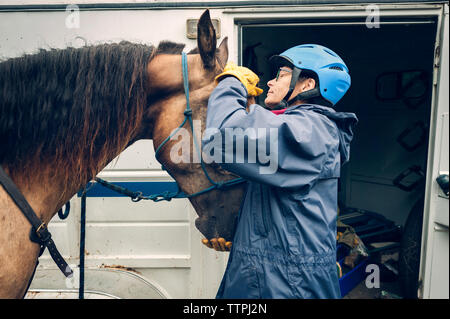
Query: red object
{"x": 278, "y": 112}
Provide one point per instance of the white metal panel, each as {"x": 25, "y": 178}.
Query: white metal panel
{"x": 23, "y": 32}
{"x": 444, "y": 158}
{"x": 138, "y": 156}
{"x": 442, "y": 212}
{"x": 109, "y": 209}
{"x": 26, "y": 2}
{"x": 439, "y": 264}
{"x": 434, "y": 266}
{"x": 108, "y": 239}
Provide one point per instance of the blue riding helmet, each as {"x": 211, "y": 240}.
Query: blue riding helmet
{"x": 332, "y": 73}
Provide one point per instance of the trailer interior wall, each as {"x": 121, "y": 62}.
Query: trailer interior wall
{"x": 376, "y": 155}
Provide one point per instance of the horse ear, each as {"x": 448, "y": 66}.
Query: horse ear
{"x": 206, "y": 40}
{"x": 222, "y": 52}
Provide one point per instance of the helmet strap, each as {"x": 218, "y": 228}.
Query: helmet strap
{"x": 306, "y": 95}
{"x": 284, "y": 102}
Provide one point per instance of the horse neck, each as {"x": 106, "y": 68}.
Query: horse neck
{"x": 44, "y": 190}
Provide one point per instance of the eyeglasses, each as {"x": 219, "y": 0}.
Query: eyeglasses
{"x": 280, "y": 70}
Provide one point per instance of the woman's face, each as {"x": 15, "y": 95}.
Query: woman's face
{"x": 278, "y": 87}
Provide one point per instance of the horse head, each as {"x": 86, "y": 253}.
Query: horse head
{"x": 217, "y": 209}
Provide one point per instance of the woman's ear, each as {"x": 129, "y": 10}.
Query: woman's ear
{"x": 307, "y": 84}
{"x": 311, "y": 84}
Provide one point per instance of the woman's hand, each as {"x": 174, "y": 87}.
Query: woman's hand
{"x": 247, "y": 77}
{"x": 218, "y": 244}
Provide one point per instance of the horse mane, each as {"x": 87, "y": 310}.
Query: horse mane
{"x": 71, "y": 109}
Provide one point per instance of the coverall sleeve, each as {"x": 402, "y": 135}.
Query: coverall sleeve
{"x": 291, "y": 149}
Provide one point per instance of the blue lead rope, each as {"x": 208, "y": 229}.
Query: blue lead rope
{"x": 137, "y": 196}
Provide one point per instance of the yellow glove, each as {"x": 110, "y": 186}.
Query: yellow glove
{"x": 219, "y": 244}
{"x": 245, "y": 75}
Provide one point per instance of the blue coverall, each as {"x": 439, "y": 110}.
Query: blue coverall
{"x": 285, "y": 239}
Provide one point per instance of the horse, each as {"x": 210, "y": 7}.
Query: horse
{"x": 67, "y": 113}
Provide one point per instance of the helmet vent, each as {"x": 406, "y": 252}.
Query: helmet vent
{"x": 330, "y": 52}
{"x": 338, "y": 68}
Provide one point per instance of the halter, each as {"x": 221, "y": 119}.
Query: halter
{"x": 188, "y": 117}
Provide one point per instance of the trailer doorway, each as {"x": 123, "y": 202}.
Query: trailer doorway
{"x": 392, "y": 70}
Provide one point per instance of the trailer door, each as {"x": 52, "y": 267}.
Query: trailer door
{"x": 434, "y": 270}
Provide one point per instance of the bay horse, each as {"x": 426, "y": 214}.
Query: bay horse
{"x": 66, "y": 113}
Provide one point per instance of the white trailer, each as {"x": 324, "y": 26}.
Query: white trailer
{"x": 153, "y": 250}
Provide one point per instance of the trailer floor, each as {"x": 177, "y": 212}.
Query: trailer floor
{"x": 387, "y": 290}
